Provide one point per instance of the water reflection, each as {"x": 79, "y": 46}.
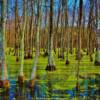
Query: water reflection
{"x": 4, "y": 95}
{"x": 89, "y": 89}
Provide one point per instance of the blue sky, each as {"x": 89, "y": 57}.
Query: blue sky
{"x": 56, "y": 2}
{"x": 70, "y": 3}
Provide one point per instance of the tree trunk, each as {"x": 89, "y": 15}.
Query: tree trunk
{"x": 97, "y": 57}
{"x": 33, "y": 75}
{"x": 79, "y": 42}
{"x": 90, "y": 24}
{"x": 31, "y": 29}
{"x": 4, "y": 76}
{"x": 71, "y": 34}
{"x": 21, "y": 73}
{"x": 51, "y": 65}
{"x": 78, "y": 52}
{"x": 16, "y": 31}
{"x": 66, "y": 28}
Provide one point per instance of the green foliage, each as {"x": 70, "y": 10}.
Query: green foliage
{"x": 63, "y": 78}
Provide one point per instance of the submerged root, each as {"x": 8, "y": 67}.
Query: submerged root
{"x": 50, "y": 68}
{"x": 29, "y": 56}
{"x": 97, "y": 63}
{"x": 20, "y": 81}
{"x": 79, "y": 57}
{"x": 17, "y": 59}
{"x": 1, "y": 83}
{"x": 91, "y": 58}
{"x": 31, "y": 83}
{"x": 4, "y": 84}
{"x": 45, "y": 54}
{"x": 61, "y": 56}
{"x": 77, "y": 87}
{"x": 67, "y": 62}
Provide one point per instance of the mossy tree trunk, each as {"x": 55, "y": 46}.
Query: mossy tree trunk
{"x": 78, "y": 52}
{"x": 90, "y": 24}
{"x": 33, "y": 75}
{"x": 3, "y": 40}
{"x": 4, "y": 82}
{"x": 45, "y": 30}
{"x": 73, "y": 20}
{"x": 16, "y": 32}
{"x": 31, "y": 29}
{"x": 67, "y": 32}
{"x": 62, "y": 30}
{"x": 57, "y": 30}
{"x": 51, "y": 65}
{"x": 79, "y": 42}
{"x": 97, "y": 54}
{"x": 22, "y": 38}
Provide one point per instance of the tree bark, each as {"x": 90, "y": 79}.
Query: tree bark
{"x": 97, "y": 57}
{"x": 51, "y": 65}
{"x": 16, "y": 31}
{"x": 4, "y": 77}
{"x": 78, "y": 52}
{"x": 79, "y": 42}
{"x": 22, "y": 37}
{"x": 3, "y": 40}
{"x": 33, "y": 75}
{"x": 71, "y": 34}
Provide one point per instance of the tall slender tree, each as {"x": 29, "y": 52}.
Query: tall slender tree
{"x": 51, "y": 65}
{"x": 45, "y": 30}
{"x": 97, "y": 56}
{"x": 78, "y": 52}
{"x": 16, "y": 31}
{"x": 33, "y": 74}
{"x": 31, "y": 28}
{"x": 57, "y": 29}
{"x": 79, "y": 41}
{"x": 21, "y": 72}
{"x": 4, "y": 77}
{"x": 73, "y": 21}
{"x": 90, "y": 24}
{"x": 66, "y": 27}
{"x": 62, "y": 49}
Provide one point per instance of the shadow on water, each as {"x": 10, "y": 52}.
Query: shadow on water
{"x": 89, "y": 90}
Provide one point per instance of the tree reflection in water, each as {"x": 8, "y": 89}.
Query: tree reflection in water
{"x": 89, "y": 90}
{"x": 4, "y": 95}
